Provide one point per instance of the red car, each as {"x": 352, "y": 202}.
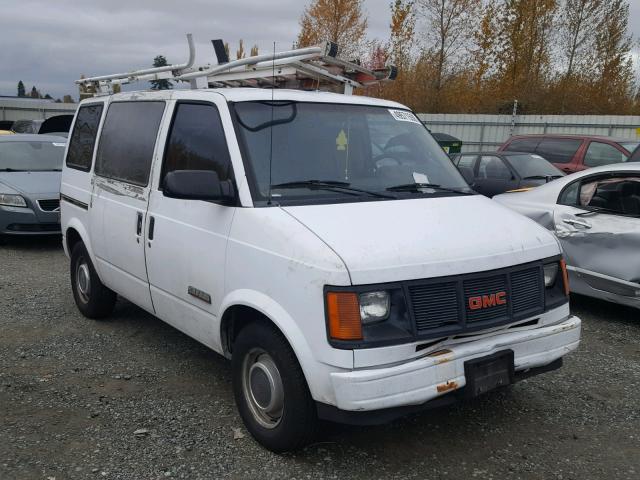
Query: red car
{"x": 572, "y": 153}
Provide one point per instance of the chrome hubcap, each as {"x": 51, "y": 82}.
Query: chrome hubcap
{"x": 83, "y": 281}
{"x": 262, "y": 387}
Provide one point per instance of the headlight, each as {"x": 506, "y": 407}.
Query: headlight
{"x": 556, "y": 282}
{"x": 550, "y": 274}
{"x": 360, "y": 318}
{"x": 12, "y": 200}
{"x": 374, "y": 307}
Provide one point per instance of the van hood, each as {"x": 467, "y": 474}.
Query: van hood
{"x": 31, "y": 182}
{"x": 424, "y": 238}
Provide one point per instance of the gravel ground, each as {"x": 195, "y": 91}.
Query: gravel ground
{"x": 74, "y": 392}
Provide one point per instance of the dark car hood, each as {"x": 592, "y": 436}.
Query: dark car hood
{"x": 31, "y": 182}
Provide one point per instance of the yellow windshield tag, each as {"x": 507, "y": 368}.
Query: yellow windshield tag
{"x": 342, "y": 141}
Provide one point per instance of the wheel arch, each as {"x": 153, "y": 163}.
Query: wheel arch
{"x": 75, "y": 232}
{"x": 246, "y": 306}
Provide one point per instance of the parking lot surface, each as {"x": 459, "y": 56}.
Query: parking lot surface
{"x": 133, "y": 398}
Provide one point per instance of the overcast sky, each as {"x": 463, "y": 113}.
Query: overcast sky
{"x": 50, "y": 43}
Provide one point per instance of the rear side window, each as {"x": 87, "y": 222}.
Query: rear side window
{"x": 523, "y": 145}
{"x": 127, "y": 141}
{"x": 558, "y": 150}
{"x": 491, "y": 167}
{"x": 635, "y": 156}
{"x": 83, "y": 138}
{"x": 197, "y": 141}
{"x": 600, "y": 153}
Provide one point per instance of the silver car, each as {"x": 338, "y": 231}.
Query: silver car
{"x": 595, "y": 215}
{"x": 30, "y": 167}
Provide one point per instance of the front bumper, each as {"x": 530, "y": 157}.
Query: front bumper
{"x": 438, "y": 373}
{"x": 24, "y": 221}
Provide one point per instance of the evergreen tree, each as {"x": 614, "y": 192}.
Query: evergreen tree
{"x": 164, "y": 84}
{"x": 21, "y": 91}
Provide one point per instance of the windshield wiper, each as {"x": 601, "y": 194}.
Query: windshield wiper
{"x": 330, "y": 185}
{"x": 417, "y": 187}
{"x": 542, "y": 177}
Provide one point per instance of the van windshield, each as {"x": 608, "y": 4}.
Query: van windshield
{"x": 323, "y": 153}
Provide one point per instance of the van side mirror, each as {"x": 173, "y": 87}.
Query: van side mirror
{"x": 467, "y": 174}
{"x": 197, "y": 185}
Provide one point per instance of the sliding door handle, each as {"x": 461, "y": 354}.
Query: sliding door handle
{"x": 139, "y": 224}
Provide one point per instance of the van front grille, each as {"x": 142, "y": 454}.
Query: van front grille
{"x": 457, "y": 304}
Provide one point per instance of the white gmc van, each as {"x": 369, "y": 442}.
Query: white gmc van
{"x": 324, "y": 243}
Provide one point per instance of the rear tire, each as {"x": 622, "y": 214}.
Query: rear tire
{"x": 270, "y": 390}
{"x": 93, "y": 299}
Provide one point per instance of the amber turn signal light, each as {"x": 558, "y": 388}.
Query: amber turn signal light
{"x": 343, "y": 314}
{"x": 565, "y": 276}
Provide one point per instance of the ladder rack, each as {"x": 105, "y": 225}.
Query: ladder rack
{"x": 309, "y": 68}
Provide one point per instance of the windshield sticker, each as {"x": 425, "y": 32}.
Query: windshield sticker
{"x": 58, "y": 144}
{"x": 342, "y": 141}
{"x": 420, "y": 178}
{"x": 404, "y": 116}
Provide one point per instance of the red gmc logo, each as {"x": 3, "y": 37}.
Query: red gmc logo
{"x": 488, "y": 301}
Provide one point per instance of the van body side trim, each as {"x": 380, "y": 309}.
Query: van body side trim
{"x": 73, "y": 201}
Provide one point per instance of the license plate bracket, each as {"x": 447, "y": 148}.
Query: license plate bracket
{"x": 488, "y": 373}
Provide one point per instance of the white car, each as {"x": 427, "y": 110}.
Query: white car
{"x": 323, "y": 242}
{"x": 596, "y": 216}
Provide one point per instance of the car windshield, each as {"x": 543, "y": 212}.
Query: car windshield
{"x": 533, "y": 166}
{"x": 316, "y": 152}
{"x": 630, "y": 146}
{"x": 31, "y": 156}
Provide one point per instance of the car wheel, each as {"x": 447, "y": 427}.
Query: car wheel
{"x": 93, "y": 299}
{"x": 270, "y": 389}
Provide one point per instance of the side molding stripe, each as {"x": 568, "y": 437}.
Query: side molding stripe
{"x": 73, "y": 201}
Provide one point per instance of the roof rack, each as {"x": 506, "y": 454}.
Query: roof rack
{"x": 309, "y": 68}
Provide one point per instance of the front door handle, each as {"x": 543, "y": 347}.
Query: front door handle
{"x": 139, "y": 224}
{"x": 572, "y": 221}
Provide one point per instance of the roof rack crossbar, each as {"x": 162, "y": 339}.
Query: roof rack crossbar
{"x": 147, "y": 71}
{"x": 312, "y": 52}
{"x": 314, "y": 67}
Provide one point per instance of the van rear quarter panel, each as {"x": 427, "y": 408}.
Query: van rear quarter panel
{"x": 78, "y": 185}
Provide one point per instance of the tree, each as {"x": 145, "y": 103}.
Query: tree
{"x": 450, "y": 26}
{"x": 254, "y": 50}
{"x": 612, "y": 59}
{"x": 162, "y": 84}
{"x": 34, "y": 92}
{"x": 523, "y": 49}
{"x": 21, "y": 90}
{"x": 577, "y": 31}
{"x": 240, "y": 53}
{"x": 400, "y": 50}
{"x": 341, "y": 21}
{"x": 67, "y": 99}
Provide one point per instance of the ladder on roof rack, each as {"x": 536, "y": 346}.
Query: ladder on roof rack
{"x": 309, "y": 68}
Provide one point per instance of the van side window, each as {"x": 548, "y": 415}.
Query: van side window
{"x": 558, "y": 150}
{"x": 197, "y": 141}
{"x": 83, "y": 138}
{"x": 127, "y": 141}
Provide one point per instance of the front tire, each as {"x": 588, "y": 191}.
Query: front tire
{"x": 270, "y": 390}
{"x": 93, "y": 299}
